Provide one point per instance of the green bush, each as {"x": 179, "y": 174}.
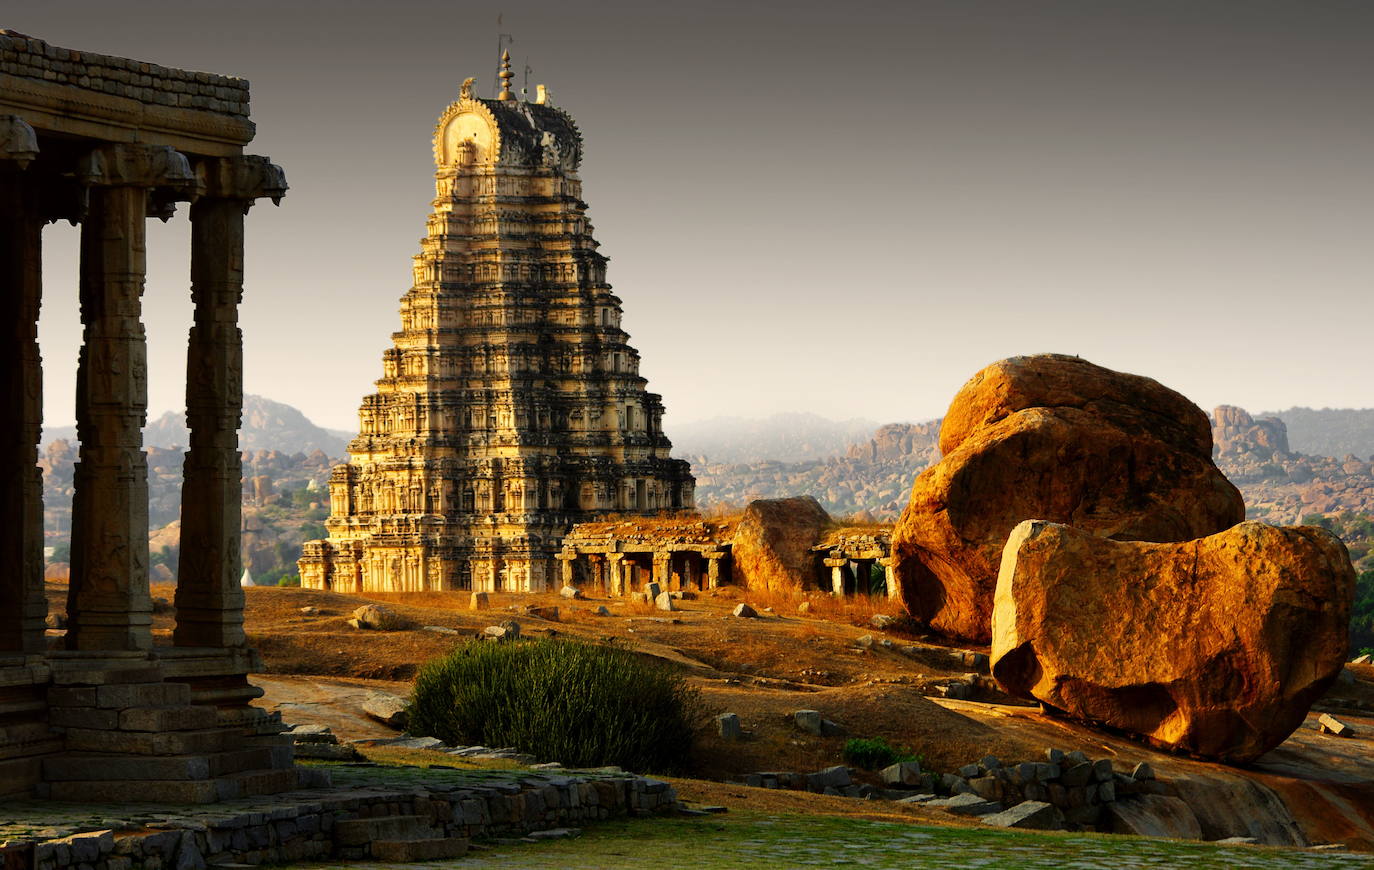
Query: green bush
{"x": 581, "y": 704}
{"x": 875, "y": 753}
{"x": 289, "y": 580}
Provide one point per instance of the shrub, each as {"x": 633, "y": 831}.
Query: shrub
{"x": 581, "y": 704}
{"x": 289, "y": 580}
{"x": 875, "y": 753}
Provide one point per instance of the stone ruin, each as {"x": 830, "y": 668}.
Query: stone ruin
{"x": 621, "y": 557}
{"x": 105, "y": 713}
{"x": 511, "y": 406}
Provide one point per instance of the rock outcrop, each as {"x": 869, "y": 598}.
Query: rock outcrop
{"x": 1235, "y": 432}
{"x": 1057, "y": 438}
{"x": 1216, "y": 646}
{"x": 772, "y": 545}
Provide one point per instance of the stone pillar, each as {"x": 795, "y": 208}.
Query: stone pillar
{"x": 689, "y": 578}
{"x": 837, "y": 568}
{"x": 567, "y": 559}
{"x": 663, "y": 574}
{"x": 615, "y": 573}
{"x": 108, "y": 606}
{"x": 209, "y": 599}
{"x": 894, "y": 585}
{"x": 713, "y": 569}
{"x": 22, "y": 603}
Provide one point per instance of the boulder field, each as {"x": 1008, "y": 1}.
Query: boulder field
{"x": 1055, "y": 438}
{"x": 1216, "y": 647}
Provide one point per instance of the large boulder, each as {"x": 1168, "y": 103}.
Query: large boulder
{"x": 379, "y": 617}
{"x": 1216, "y": 647}
{"x": 1055, "y": 438}
{"x": 772, "y": 544}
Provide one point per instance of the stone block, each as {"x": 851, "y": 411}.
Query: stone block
{"x": 359, "y": 832}
{"x": 837, "y": 777}
{"x": 1143, "y": 771}
{"x": 744, "y": 611}
{"x": 1078, "y": 775}
{"x": 201, "y": 791}
{"x": 966, "y": 805}
{"x": 1102, "y": 770}
{"x": 728, "y": 727}
{"x": 479, "y": 601}
{"x": 386, "y": 708}
{"x": 150, "y": 743}
{"x": 409, "y": 851}
{"x": 808, "y": 721}
{"x": 570, "y": 592}
{"x": 167, "y": 718}
{"x": 97, "y": 768}
{"x": 1328, "y": 724}
{"x": 83, "y": 717}
{"x": 903, "y": 773}
{"x": 1028, "y": 814}
{"x": 143, "y": 695}
{"x": 664, "y": 601}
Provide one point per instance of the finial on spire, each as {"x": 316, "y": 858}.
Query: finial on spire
{"x": 465, "y": 93}
{"x": 506, "y": 76}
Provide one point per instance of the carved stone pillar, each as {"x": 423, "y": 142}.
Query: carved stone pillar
{"x": 894, "y": 584}
{"x": 614, "y": 573}
{"x": 209, "y": 599}
{"x": 713, "y": 569}
{"x": 663, "y": 574}
{"x": 567, "y": 560}
{"x": 837, "y": 568}
{"x": 22, "y": 604}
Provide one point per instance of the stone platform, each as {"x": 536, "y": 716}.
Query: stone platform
{"x": 374, "y": 812}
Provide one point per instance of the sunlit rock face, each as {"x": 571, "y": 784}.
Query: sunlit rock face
{"x": 1055, "y": 438}
{"x": 1217, "y": 646}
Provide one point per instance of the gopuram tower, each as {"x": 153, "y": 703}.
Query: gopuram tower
{"x": 510, "y": 406}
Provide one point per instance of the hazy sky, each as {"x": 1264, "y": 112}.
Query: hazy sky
{"x": 846, "y": 208}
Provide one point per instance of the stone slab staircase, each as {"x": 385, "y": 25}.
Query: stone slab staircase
{"x": 128, "y": 737}
{"x": 396, "y": 839}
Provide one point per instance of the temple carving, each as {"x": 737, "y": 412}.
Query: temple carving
{"x": 510, "y": 405}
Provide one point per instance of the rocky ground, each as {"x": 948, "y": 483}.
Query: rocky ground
{"x": 903, "y": 687}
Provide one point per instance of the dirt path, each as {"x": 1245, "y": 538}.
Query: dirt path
{"x": 333, "y": 701}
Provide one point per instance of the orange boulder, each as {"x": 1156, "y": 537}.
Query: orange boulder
{"x": 1217, "y": 647}
{"x": 772, "y": 544}
{"x": 1057, "y": 438}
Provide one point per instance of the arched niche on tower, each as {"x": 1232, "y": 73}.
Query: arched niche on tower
{"x": 466, "y": 135}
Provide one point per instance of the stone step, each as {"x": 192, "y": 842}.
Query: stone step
{"x": 169, "y": 791}
{"x": 162, "y": 791}
{"x": 407, "y": 851}
{"x": 358, "y": 832}
{"x": 153, "y": 743}
{"x": 94, "y": 767}
{"x": 250, "y": 783}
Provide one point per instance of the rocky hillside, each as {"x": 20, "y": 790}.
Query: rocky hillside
{"x": 1280, "y": 484}
{"x": 798, "y": 437}
{"x": 872, "y": 476}
{"x": 267, "y": 425}
{"x": 1329, "y": 431}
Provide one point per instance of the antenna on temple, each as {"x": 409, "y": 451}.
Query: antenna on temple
{"x": 525, "y": 89}
{"x": 505, "y": 75}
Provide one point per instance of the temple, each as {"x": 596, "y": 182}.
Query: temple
{"x": 103, "y": 712}
{"x": 510, "y": 405}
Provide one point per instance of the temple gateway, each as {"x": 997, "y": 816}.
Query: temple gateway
{"x": 510, "y": 405}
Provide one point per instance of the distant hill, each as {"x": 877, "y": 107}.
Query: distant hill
{"x": 267, "y": 425}
{"x": 793, "y": 437}
{"x": 1334, "y": 432}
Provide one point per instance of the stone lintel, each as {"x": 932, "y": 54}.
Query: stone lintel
{"x": 836, "y": 563}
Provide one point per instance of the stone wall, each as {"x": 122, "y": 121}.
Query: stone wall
{"x": 30, "y": 58}
{"x": 316, "y": 825}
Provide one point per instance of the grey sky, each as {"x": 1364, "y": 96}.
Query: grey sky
{"x": 841, "y": 208}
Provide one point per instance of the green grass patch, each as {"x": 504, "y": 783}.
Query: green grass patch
{"x": 742, "y": 840}
{"x": 875, "y": 753}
